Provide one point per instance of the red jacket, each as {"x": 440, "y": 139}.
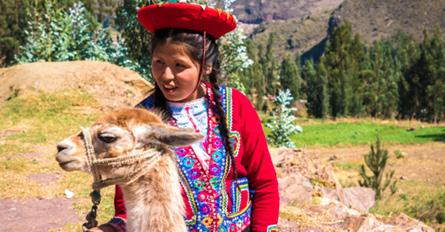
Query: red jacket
{"x": 253, "y": 162}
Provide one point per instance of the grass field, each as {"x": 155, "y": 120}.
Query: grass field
{"x": 40, "y": 120}
{"x": 351, "y": 132}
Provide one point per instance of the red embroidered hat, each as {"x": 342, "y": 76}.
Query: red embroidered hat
{"x": 215, "y": 22}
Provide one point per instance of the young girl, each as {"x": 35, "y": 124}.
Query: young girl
{"x": 228, "y": 179}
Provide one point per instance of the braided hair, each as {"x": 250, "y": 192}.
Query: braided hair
{"x": 193, "y": 43}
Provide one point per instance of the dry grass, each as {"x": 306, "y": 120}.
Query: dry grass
{"x": 419, "y": 177}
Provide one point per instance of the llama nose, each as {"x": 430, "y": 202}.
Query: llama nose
{"x": 62, "y": 146}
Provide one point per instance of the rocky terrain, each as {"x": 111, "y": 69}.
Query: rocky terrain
{"x": 305, "y": 206}
{"x": 301, "y": 25}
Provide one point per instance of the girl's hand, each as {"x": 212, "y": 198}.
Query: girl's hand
{"x": 103, "y": 228}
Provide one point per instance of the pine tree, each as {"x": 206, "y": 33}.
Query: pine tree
{"x": 13, "y": 19}
{"x": 376, "y": 161}
{"x": 252, "y": 77}
{"x": 289, "y": 77}
{"x": 317, "y": 89}
{"x": 434, "y": 55}
{"x": 310, "y": 76}
{"x": 269, "y": 66}
{"x": 323, "y": 91}
{"x": 408, "y": 85}
{"x": 335, "y": 62}
{"x": 343, "y": 58}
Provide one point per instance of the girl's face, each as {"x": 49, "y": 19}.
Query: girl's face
{"x": 176, "y": 73}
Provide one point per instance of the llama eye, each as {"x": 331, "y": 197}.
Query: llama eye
{"x": 107, "y": 138}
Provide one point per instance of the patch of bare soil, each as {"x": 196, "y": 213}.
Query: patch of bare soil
{"x": 37, "y": 215}
{"x": 114, "y": 86}
{"x": 45, "y": 178}
{"x": 32, "y": 155}
{"x": 423, "y": 162}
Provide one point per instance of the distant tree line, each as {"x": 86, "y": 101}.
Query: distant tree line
{"x": 398, "y": 78}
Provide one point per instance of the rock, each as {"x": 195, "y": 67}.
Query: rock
{"x": 287, "y": 161}
{"x": 330, "y": 215}
{"x": 295, "y": 190}
{"x": 364, "y": 222}
{"x": 407, "y": 223}
{"x": 328, "y": 175}
{"x": 359, "y": 198}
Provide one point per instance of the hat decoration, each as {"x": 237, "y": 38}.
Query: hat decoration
{"x": 200, "y": 18}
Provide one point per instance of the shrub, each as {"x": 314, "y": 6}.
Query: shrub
{"x": 281, "y": 123}
{"x": 399, "y": 154}
{"x": 57, "y": 35}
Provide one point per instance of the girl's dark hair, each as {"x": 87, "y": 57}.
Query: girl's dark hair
{"x": 193, "y": 41}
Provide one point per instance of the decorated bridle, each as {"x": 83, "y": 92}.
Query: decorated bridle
{"x": 150, "y": 156}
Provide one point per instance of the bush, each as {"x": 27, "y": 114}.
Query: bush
{"x": 64, "y": 36}
{"x": 399, "y": 154}
{"x": 281, "y": 123}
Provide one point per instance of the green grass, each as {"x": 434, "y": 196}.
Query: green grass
{"x": 359, "y": 133}
{"x": 347, "y": 166}
{"x": 40, "y": 120}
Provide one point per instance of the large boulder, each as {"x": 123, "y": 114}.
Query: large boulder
{"x": 359, "y": 198}
{"x": 295, "y": 189}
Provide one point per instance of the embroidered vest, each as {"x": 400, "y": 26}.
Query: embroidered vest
{"x": 209, "y": 205}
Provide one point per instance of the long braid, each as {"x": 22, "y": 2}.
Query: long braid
{"x": 213, "y": 78}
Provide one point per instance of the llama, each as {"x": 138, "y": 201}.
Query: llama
{"x": 153, "y": 197}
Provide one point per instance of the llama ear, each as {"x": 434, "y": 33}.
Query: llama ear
{"x": 172, "y": 136}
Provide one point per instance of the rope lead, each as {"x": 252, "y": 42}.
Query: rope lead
{"x": 91, "y": 219}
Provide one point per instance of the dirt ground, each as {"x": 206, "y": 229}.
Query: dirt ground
{"x": 119, "y": 87}
{"x": 424, "y": 162}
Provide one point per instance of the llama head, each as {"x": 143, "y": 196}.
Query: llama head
{"x": 120, "y": 133}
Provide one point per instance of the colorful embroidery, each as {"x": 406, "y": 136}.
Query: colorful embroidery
{"x": 118, "y": 223}
{"x": 206, "y": 188}
{"x": 207, "y": 221}
{"x": 272, "y": 228}
{"x": 234, "y": 139}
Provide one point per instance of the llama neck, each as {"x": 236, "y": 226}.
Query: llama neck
{"x": 154, "y": 201}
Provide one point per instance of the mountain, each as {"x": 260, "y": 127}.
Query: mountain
{"x": 303, "y": 26}
{"x": 257, "y": 11}
{"x": 377, "y": 19}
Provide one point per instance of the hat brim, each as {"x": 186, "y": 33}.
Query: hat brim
{"x": 194, "y": 17}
